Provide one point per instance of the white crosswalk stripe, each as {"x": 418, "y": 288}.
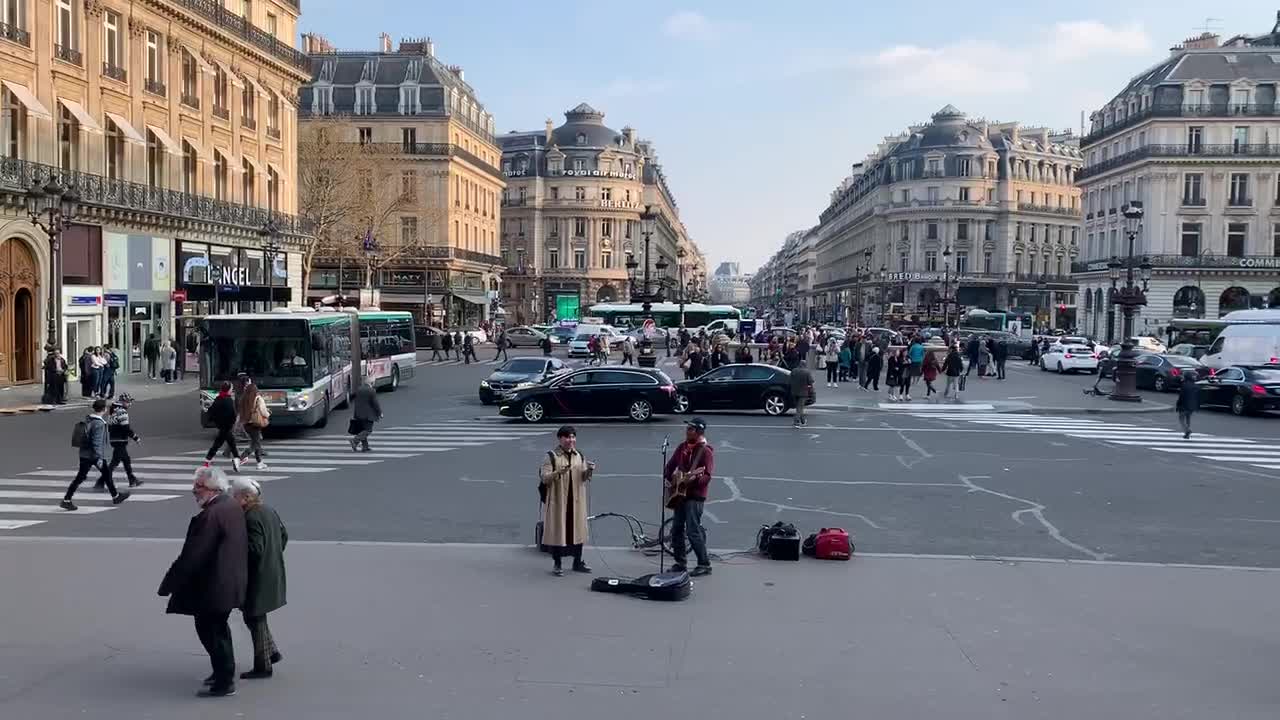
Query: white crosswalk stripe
{"x": 1155, "y": 439}
{"x": 166, "y": 477}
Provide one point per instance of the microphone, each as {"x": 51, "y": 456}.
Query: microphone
{"x": 666, "y": 443}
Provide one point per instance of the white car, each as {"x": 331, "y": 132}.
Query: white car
{"x": 1069, "y": 358}
{"x": 578, "y": 345}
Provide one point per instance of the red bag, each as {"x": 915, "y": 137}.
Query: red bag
{"x": 833, "y": 544}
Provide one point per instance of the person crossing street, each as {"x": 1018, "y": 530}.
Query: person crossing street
{"x": 120, "y": 432}
{"x": 222, "y": 413}
{"x": 501, "y": 343}
{"x": 801, "y": 381}
{"x": 1188, "y": 403}
{"x": 93, "y": 454}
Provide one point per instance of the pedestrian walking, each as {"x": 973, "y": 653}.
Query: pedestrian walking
{"x": 801, "y": 382}
{"x": 168, "y": 362}
{"x": 696, "y": 459}
{"x": 869, "y": 369}
{"x": 953, "y": 368}
{"x": 222, "y": 413}
{"x": 119, "y": 432}
{"x": 210, "y": 576}
{"x": 1188, "y": 403}
{"x": 893, "y": 374}
{"x": 436, "y": 341}
{"x": 366, "y": 411}
{"x": 972, "y": 350}
{"x": 628, "y": 351}
{"x": 930, "y": 373}
{"x": 1000, "y": 355}
{"x": 107, "y": 372}
{"x": 447, "y": 343}
{"x": 469, "y": 348}
{"x": 545, "y": 342}
{"x": 151, "y": 351}
{"x": 984, "y": 360}
{"x": 562, "y": 487}
{"x": 254, "y": 416}
{"x": 501, "y": 342}
{"x": 266, "y": 588}
{"x": 845, "y": 359}
{"x": 457, "y": 345}
{"x": 831, "y": 361}
{"x": 91, "y": 440}
{"x": 915, "y": 360}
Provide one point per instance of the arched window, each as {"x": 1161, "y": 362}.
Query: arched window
{"x": 1188, "y": 302}
{"x": 1233, "y": 298}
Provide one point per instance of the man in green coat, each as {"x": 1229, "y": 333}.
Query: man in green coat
{"x": 266, "y": 591}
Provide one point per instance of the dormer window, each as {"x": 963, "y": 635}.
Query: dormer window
{"x": 579, "y": 165}
{"x": 322, "y": 100}
{"x": 364, "y": 101}
{"x": 582, "y": 138}
{"x": 409, "y": 100}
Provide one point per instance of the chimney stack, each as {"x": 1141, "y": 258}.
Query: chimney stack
{"x": 313, "y": 44}
{"x": 430, "y": 48}
{"x": 629, "y": 135}
{"x": 550, "y": 127}
{"x": 384, "y": 43}
{"x": 457, "y": 70}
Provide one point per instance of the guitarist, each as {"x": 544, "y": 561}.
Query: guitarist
{"x": 693, "y": 461}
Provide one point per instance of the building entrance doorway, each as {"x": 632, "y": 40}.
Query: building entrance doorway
{"x": 19, "y": 283}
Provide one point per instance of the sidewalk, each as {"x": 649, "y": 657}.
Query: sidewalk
{"x": 22, "y": 399}
{"x": 469, "y": 632}
{"x": 1026, "y": 390}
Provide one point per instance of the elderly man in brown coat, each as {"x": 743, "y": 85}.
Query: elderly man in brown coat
{"x": 210, "y": 576}
{"x": 562, "y": 483}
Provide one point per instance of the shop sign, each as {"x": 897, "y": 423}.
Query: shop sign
{"x": 115, "y": 300}
{"x": 179, "y": 296}
{"x": 140, "y": 311}
{"x": 597, "y": 173}
{"x": 619, "y": 204}
{"x": 227, "y": 276}
{"x": 84, "y": 300}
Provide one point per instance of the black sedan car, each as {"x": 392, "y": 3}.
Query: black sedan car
{"x": 739, "y": 387}
{"x": 517, "y": 372}
{"x": 631, "y": 392}
{"x": 1163, "y": 373}
{"x": 1243, "y": 389}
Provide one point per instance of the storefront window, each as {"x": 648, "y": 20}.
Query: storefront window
{"x": 222, "y": 260}
{"x": 253, "y": 260}
{"x": 193, "y": 260}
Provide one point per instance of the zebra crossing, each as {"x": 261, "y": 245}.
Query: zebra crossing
{"x": 1244, "y": 451}
{"x": 31, "y": 498}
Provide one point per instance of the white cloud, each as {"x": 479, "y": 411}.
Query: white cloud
{"x": 969, "y": 68}
{"x": 630, "y": 87}
{"x": 1090, "y": 38}
{"x": 688, "y": 24}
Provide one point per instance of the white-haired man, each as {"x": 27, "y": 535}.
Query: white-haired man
{"x": 209, "y": 578}
{"x": 266, "y": 592}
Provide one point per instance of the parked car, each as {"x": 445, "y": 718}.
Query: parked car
{"x": 562, "y": 335}
{"x": 477, "y": 335}
{"x": 1069, "y": 358}
{"x": 524, "y": 336}
{"x": 579, "y": 344}
{"x": 631, "y": 392}
{"x": 423, "y": 334}
{"x": 739, "y": 387}
{"x": 1189, "y": 350}
{"x": 519, "y": 373}
{"x": 1163, "y": 373}
{"x": 1243, "y": 389}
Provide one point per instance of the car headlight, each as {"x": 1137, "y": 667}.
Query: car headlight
{"x": 299, "y": 402}
{"x": 484, "y": 383}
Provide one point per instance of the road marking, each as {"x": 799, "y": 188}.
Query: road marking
{"x": 1193, "y": 440}
{"x": 1239, "y": 457}
{"x": 18, "y": 524}
{"x": 85, "y": 497}
{"x": 34, "y": 482}
{"x": 1223, "y": 450}
{"x": 900, "y": 407}
{"x": 274, "y": 468}
{"x": 412, "y": 448}
{"x": 148, "y": 475}
{"x": 298, "y": 461}
{"x": 49, "y": 510}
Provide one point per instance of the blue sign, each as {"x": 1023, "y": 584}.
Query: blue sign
{"x": 85, "y": 300}
{"x": 115, "y": 300}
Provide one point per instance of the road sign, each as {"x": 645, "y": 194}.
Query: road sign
{"x": 650, "y": 328}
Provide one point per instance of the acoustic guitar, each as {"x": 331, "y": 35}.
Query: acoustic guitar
{"x": 677, "y": 488}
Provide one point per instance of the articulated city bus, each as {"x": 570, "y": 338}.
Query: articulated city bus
{"x": 667, "y": 315}
{"x": 388, "y": 352}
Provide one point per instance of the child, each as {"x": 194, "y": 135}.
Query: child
{"x": 930, "y": 373}
{"x": 120, "y": 432}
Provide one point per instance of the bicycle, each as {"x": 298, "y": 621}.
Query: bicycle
{"x": 639, "y": 539}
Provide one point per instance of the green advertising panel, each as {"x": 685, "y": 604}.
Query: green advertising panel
{"x": 566, "y": 307}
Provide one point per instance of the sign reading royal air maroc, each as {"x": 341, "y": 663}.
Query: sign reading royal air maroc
{"x": 598, "y": 173}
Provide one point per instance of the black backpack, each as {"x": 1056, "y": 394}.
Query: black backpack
{"x": 78, "y": 433}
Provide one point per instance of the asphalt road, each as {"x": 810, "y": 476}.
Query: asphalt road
{"x": 448, "y": 470}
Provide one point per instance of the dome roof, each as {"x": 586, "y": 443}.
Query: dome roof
{"x": 587, "y": 122}
{"x": 950, "y": 128}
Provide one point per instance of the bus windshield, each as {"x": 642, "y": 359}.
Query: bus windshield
{"x": 275, "y": 353}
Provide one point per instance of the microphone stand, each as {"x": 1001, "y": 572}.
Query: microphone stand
{"x": 662, "y": 508}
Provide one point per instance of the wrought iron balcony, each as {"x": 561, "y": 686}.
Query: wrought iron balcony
{"x": 155, "y": 87}
{"x": 1206, "y": 110}
{"x": 1031, "y": 207}
{"x": 222, "y": 113}
{"x": 68, "y": 54}
{"x": 436, "y": 149}
{"x": 933, "y": 174}
{"x": 514, "y": 202}
{"x": 1194, "y": 202}
{"x": 248, "y": 123}
{"x": 15, "y": 34}
{"x": 95, "y": 190}
{"x": 213, "y": 11}
{"x": 1183, "y": 262}
{"x": 191, "y": 101}
{"x": 1239, "y": 202}
{"x": 273, "y": 133}
{"x": 115, "y": 72}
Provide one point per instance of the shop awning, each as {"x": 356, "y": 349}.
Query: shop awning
{"x": 81, "y": 115}
{"x": 173, "y": 147}
{"x": 475, "y": 297}
{"x": 258, "y": 168}
{"x": 131, "y": 134}
{"x": 195, "y": 145}
{"x": 195, "y": 55}
{"x": 28, "y": 98}
{"x": 226, "y": 69}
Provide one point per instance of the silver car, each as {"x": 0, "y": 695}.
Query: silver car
{"x": 524, "y": 336}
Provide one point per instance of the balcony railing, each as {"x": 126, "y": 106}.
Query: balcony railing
{"x": 273, "y": 133}
{"x": 222, "y": 113}
{"x": 95, "y": 190}
{"x": 1206, "y": 110}
{"x": 1185, "y": 262}
{"x": 1240, "y": 202}
{"x": 155, "y": 87}
{"x": 191, "y": 101}
{"x": 436, "y": 149}
{"x": 15, "y": 34}
{"x": 115, "y": 72}
{"x": 1194, "y": 202}
{"x": 514, "y": 202}
{"x": 933, "y": 174}
{"x": 1030, "y": 207}
{"x": 68, "y": 54}
{"x": 248, "y": 123}
{"x": 214, "y": 11}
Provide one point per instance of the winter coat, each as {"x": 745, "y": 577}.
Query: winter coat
{"x": 447, "y": 341}
{"x": 1188, "y": 396}
{"x": 119, "y": 431}
{"x": 846, "y": 357}
{"x": 971, "y": 349}
{"x": 718, "y": 358}
{"x": 953, "y": 366}
{"x": 801, "y": 379}
{"x": 168, "y": 358}
{"x": 94, "y": 445}
{"x": 893, "y": 375}
{"x": 1001, "y": 352}
{"x": 572, "y": 477}
{"x": 267, "y": 537}
{"x": 211, "y": 573}
{"x": 874, "y": 362}
{"x": 931, "y": 367}
{"x": 151, "y": 348}
{"x": 366, "y": 405}
{"x": 683, "y": 459}
{"x": 222, "y": 413}
{"x": 259, "y": 415}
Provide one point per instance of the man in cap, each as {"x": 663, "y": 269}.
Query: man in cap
{"x": 695, "y": 460}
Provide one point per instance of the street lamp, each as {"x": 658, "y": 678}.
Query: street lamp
{"x": 270, "y": 234}
{"x": 884, "y": 274}
{"x": 946, "y": 287}
{"x": 1130, "y": 297}
{"x": 680, "y": 255}
{"x": 1042, "y": 289}
{"x": 648, "y": 292}
{"x": 865, "y": 267}
{"x": 53, "y": 208}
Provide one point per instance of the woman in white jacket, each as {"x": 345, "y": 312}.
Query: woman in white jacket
{"x": 168, "y": 361}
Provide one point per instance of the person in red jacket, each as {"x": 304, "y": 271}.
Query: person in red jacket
{"x": 695, "y": 456}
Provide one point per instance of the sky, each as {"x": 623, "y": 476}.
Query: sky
{"x": 759, "y": 108}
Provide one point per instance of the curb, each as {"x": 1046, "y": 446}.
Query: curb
{"x": 27, "y": 409}
{"x": 1135, "y": 410}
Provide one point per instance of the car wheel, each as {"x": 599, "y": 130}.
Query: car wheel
{"x": 1042, "y": 367}
{"x": 395, "y": 378}
{"x": 682, "y": 404}
{"x": 641, "y": 410}
{"x": 1160, "y": 385}
{"x": 532, "y": 411}
{"x": 1239, "y": 406}
{"x": 774, "y": 404}
{"x": 485, "y": 402}
{"x": 1060, "y": 369}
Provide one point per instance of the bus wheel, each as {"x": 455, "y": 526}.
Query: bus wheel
{"x": 395, "y": 378}
{"x": 324, "y": 418}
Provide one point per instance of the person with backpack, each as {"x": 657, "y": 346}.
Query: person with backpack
{"x": 222, "y": 413}
{"x": 254, "y": 415}
{"x": 90, "y": 438}
{"x": 119, "y": 433}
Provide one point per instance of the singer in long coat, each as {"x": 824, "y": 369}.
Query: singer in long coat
{"x": 565, "y": 519}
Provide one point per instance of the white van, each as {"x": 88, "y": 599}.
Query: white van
{"x": 1245, "y": 344}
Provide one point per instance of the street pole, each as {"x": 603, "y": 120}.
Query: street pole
{"x": 52, "y": 208}
{"x": 1130, "y": 298}
{"x": 946, "y": 287}
{"x": 270, "y": 234}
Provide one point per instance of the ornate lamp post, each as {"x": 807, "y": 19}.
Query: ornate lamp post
{"x": 1042, "y": 290}
{"x": 884, "y": 274}
{"x": 680, "y": 255}
{"x": 52, "y": 208}
{"x": 270, "y": 234}
{"x": 1130, "y": 297}
{"x": 946, "y": 287}
{"x": 647, "y": 291}
{"x": 865, "y": 267}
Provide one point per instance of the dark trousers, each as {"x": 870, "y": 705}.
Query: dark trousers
{"x": 559, "y": 552}
{"x": 264, "y": 645}
{"x": 83, "y": 472}
{"x": 225, "y": 435}
{"x": 215, "y": 636}
{"x": 1000, "y": 368}
{"x": 120, "y": 454}
{"x": 871, "y": 378}
{"x": 686, "y": 525}
{"x": 832, "y": 369}
{"x": 151, "y": 366}
{"x": 435, "y": 354}
{"x": 255, "y": 442}
{"x": 1184, "y": 421}
{"x": 106, "y": 383}
{"x": 502, "y": 353}
{"x": 844, "y": 373}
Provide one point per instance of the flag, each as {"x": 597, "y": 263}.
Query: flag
{"x": 369, "y": 245}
